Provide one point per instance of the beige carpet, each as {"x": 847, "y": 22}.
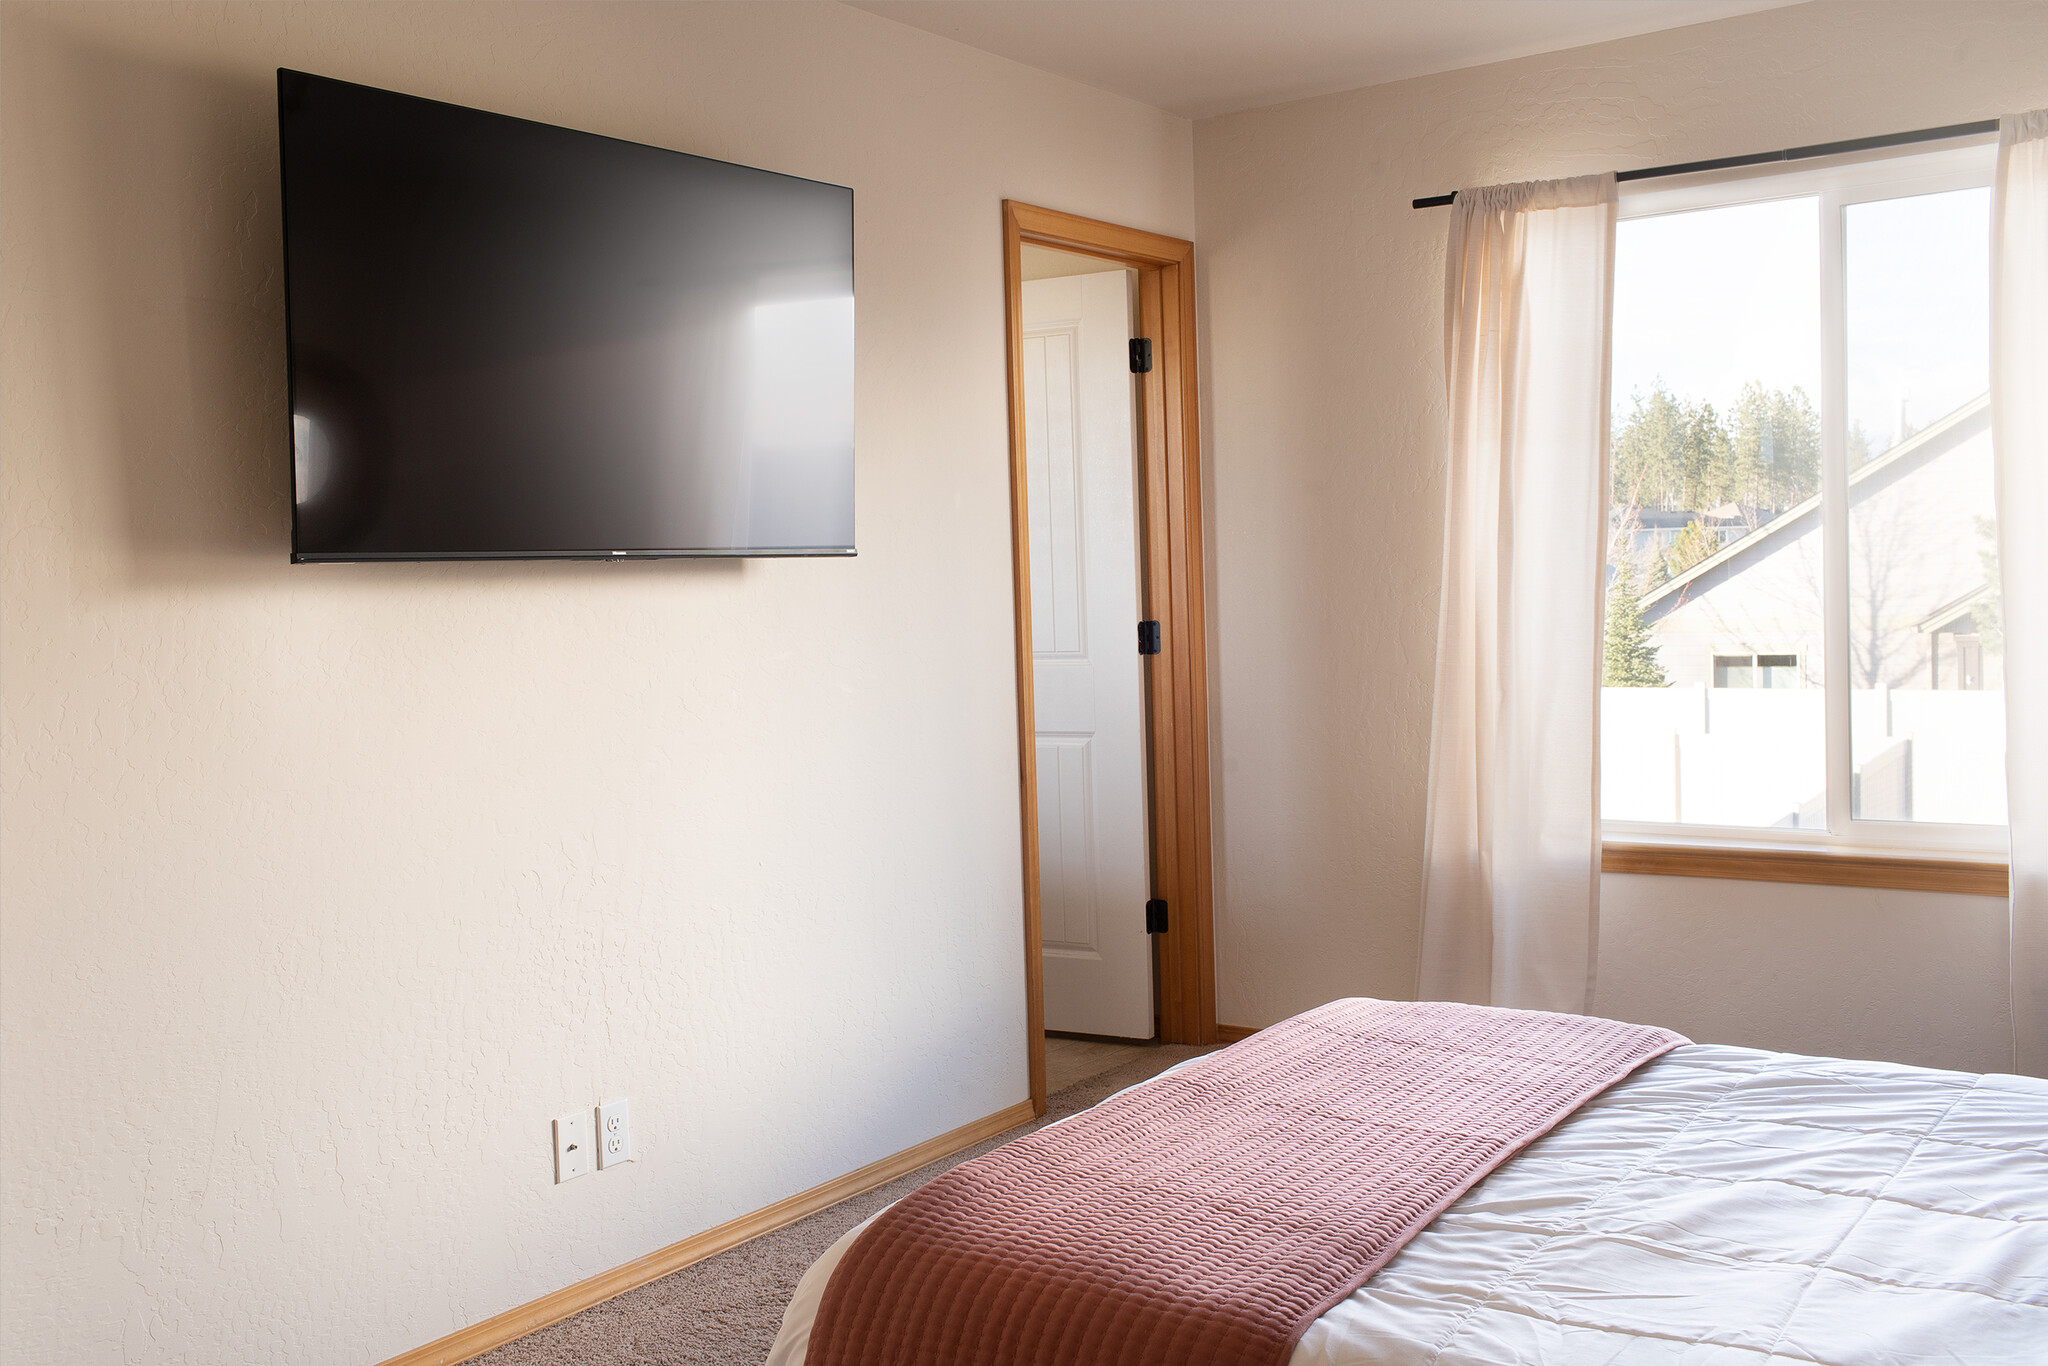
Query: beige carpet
{"x": 1071, "y": 1060}
{"x": 725, "y": 1309}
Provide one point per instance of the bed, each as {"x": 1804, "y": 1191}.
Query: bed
{"x": 1717, "y": 1207}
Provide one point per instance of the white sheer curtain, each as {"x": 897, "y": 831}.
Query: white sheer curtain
{"x": 1511, "y": 878}
{"x": 2019, "y": 438}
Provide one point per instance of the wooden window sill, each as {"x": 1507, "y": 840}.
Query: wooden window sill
{"x": 1811, "y": 866}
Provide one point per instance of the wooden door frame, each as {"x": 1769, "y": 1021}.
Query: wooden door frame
{"x": 1177, "y": 681}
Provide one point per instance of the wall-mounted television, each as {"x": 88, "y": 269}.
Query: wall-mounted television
{"x": 510, "y": 341}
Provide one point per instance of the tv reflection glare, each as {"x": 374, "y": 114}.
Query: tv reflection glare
{"x": 509, "y": 340}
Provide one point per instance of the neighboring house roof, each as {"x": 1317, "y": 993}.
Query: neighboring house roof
{"x": 1950, "y": 613}
{"x": 1915, "y": 451}
{"x": 1680, "y": 517}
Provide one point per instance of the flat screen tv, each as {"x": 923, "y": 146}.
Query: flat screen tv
{"x": 512, "y": 341}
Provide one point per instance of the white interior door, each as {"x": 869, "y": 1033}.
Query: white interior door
{"x": 1081, "y": 468}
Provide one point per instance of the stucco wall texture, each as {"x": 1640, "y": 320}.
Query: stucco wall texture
{"x": 326, "y": 887}
{"x": 1322, "y": 315}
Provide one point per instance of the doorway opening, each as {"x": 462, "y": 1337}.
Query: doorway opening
{"x": 1111, "y": 674}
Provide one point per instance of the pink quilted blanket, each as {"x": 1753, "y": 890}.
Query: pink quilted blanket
{"x": 1211, "y": 1216}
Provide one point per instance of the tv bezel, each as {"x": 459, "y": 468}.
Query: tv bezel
{"x": 607, "y": 555}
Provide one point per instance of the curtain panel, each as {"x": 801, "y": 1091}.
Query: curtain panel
{"x": 2019, "y": 442}
{"x": 1511, "y": 877}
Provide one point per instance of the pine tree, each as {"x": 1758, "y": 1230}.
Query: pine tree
{"x": 1670, "y": 454}
{"x": 1774, "y": 449}
{"x": 1708, "y": 461}
{"x": 1629, "y": 659}
{"x": 1649, "y": 451}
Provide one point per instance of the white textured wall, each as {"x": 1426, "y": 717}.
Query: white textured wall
{"x": 1844, "y": 971}
{"x": 1322, "y": 308}
{"x": 325, "y": 887}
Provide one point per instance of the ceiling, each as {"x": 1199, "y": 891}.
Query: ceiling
{"x": 1198, "y": 58}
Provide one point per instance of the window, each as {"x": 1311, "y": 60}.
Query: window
{"x": 1756, "y": 671}
{"x": 1802, "y": 632}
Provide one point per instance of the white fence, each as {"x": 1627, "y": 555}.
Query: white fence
{"x": 1757, "y": 757}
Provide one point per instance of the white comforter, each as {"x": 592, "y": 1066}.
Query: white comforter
{"x": 1720, "y": 1207}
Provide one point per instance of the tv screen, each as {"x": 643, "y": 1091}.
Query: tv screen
{"x": 508, "y": 340}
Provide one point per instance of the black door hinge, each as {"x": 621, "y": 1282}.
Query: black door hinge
{"x": 1155, "y": 916}
{"x": 1141, "y": 355}
{"x": 1148, "y": 637}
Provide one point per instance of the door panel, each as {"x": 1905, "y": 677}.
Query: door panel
{"x": 1088, "y": 680}
{"x": 1066, "y": 844}
{"x": 1053, "y": 459}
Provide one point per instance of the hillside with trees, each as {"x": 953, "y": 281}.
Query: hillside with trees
{"x": 1740, "y": 468}
{"x": 1762, "y": 456}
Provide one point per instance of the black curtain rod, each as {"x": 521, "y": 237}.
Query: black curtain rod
{"x": 1821, "y": 149}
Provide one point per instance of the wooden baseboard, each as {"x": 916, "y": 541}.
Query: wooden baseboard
{"x": 513, "y": 1324}
{"x": 1232, "y": 1033}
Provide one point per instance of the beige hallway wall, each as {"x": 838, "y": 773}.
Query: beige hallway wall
{"x": 327, "y": 886}
{"x": 1322, "y": 307}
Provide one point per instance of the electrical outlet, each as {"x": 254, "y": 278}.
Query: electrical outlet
{"x": 614, "y": 1134}
{"x": 572, "y": 1147}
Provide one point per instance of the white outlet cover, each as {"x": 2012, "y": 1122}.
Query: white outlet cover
{"x": 614, "y": 1134}
{"x": 573, "y": 1148}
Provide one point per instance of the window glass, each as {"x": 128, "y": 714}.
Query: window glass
{"x": 1712, "y": 709}
{"x": 1732, "y": 671}
{"x": 1927, "y": 718}
{"x": 1777, "y": 671}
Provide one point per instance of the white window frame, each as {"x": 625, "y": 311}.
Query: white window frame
{"x": 1837, "y": 183}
